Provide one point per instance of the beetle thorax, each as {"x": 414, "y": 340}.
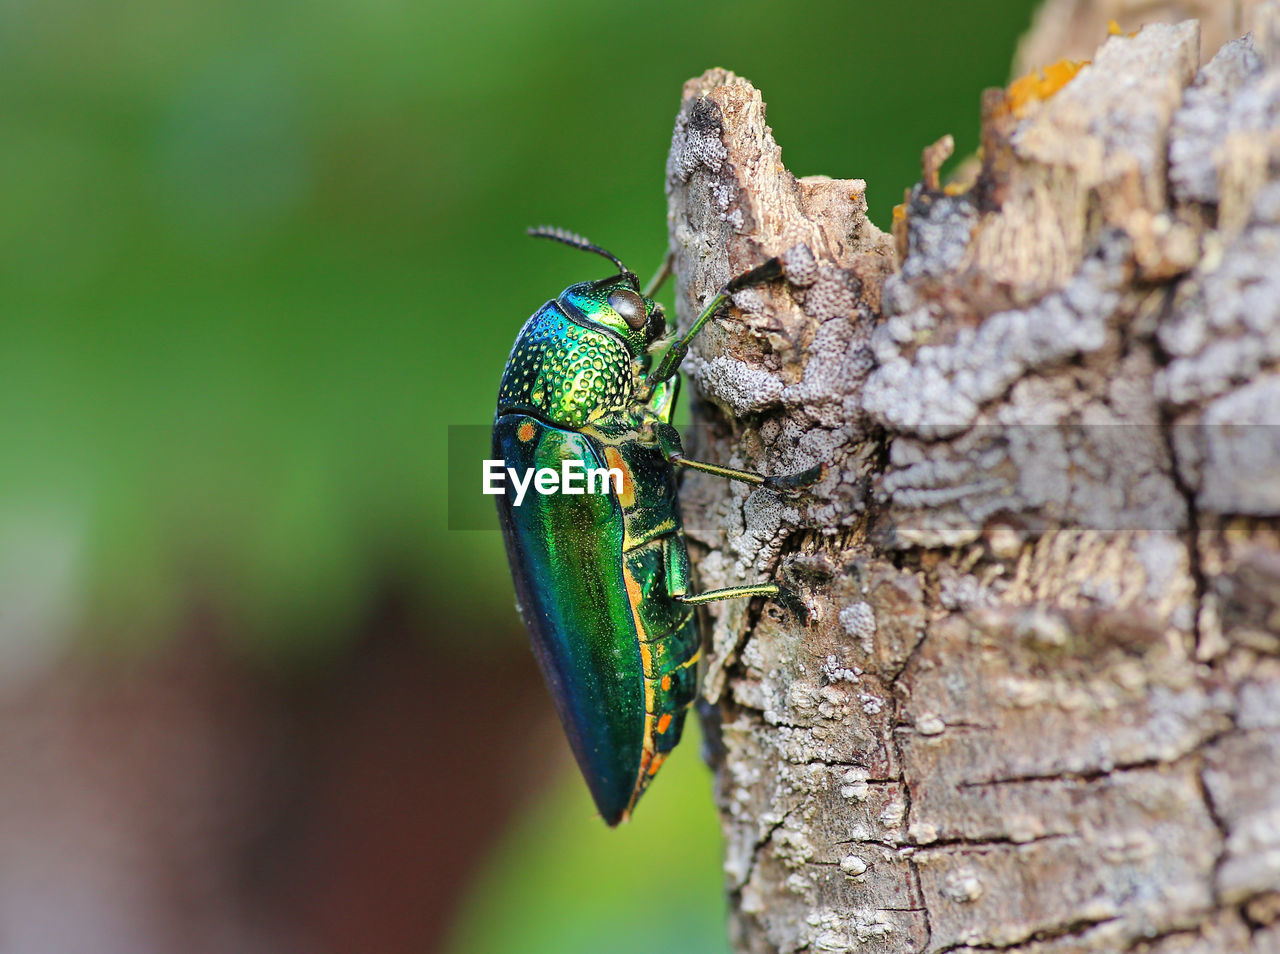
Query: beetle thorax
{"x": 565, "y": 373}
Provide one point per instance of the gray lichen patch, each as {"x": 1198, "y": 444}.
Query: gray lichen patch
{"x": 1211, "y": 110}
{"x": 738, "y": 387}
{"x": 1225, "y": 324}
{"x": 936, "y": 390}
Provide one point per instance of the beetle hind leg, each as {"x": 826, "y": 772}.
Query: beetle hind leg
{"x": 785, "y": 596}
{"x": 678, "y": 581}
{"x": 731, "y": 593}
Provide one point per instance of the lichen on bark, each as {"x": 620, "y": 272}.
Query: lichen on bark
{"x": 1032, "y": 701}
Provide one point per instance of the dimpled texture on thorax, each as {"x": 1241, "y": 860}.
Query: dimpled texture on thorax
{"x": 563, "y": 372}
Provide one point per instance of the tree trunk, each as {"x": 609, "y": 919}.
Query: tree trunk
{"x": 1030, "y": 699}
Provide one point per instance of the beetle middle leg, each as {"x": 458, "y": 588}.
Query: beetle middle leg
{"x": 668, "y": 439}
{"x": 786, "y": 483}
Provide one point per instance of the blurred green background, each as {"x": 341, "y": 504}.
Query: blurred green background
{"x": 256, "y": 258}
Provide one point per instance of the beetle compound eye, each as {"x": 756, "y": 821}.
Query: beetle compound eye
{"x": 629, "y": 306}
{"x": 657, "y": 324}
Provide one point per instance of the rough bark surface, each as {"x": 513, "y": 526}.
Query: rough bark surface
{"x": 1033, "y": 700}
{"x": 1069, "y": 29}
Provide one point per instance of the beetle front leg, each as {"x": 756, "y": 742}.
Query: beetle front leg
{"x": 662, "y": 401}
{"x": 766, "y": 272}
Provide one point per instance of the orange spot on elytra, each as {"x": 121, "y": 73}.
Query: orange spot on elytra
{"x": 525, "y": 431}
{"x": 634, "y": 596}
{"x": 613, "y": 458}
{"x": 666, "y": 683}
{"x": 664, "y": 723}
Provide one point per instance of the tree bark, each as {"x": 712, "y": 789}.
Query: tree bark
{"x": 1031, "y": 698}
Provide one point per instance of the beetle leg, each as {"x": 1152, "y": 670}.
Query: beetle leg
{"x": 677, "y": 567}
{"x": 785, "y": 483}
{"x": 662, "y": 402}
{"x": 677, "y": 559}
{"x": 731, "y": 593}
{"x": 657, "y": 281}
{"x": 668, "y": 439}
{"x": 676, "y": 556}
{"x": 766, "y": 272}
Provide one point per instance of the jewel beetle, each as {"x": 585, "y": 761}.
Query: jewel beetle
{"x": 602, "y": 579}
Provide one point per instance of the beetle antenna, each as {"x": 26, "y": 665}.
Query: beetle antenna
{"x": 577, "y": 241}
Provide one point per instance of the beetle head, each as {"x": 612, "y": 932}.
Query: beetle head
{"x": 612, "y": 303}
{"x": 615, "y": 303}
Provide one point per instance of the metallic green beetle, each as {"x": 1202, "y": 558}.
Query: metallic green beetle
{"x": 602, "y": 579}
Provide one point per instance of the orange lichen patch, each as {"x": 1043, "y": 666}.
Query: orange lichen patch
{"x": 525, "y": 431}
{"x": 1113, "y": 29}
{"x": 613, "y": 458}
{"x": 1040, "y": 85}
{"x": 899, "y": 227}
{"x": 956, "y": 188}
